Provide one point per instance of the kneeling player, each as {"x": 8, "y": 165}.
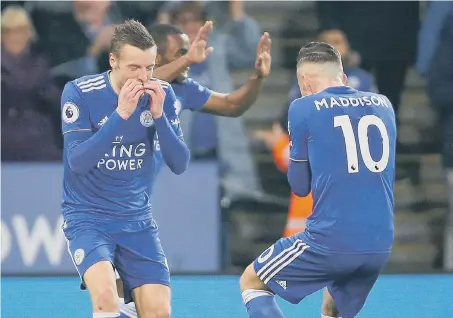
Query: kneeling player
{"x": 343, "y": 150}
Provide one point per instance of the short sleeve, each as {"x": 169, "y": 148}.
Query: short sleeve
{"x": 75, "y": 115}
{"x": 298, "y": 131}
{"x": 170, "y": 110}
{"x": 196, "y": 95}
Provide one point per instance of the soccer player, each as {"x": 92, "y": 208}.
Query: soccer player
{"x": 343, "y": 150}
{"x": 175, "y": 55}
{"x": 109, "y": 121}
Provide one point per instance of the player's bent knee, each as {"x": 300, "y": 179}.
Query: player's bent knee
{"x": 160, "y": 313}
{"x": 249, "y": 280}
{"x": 100, "y": 281}
{"x": 105, "y": 299}
{"x": 156, "y": 310}
{"x": 152, "y": 301}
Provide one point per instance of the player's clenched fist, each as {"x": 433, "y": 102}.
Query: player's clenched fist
{"x": 128, "y": 98}
{"x": 157, "y": 97}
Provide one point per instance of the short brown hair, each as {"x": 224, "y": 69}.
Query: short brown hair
{"x": 318, "y": 52}
{"x": 133, "y": 33}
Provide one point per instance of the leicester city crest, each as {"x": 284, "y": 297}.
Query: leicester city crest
{"x": 146, "y": 118}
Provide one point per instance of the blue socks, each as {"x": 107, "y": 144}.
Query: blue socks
{"x": 261, "y": 304}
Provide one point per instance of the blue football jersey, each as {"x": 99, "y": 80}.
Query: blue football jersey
{"x": 189, "y": 95}
{"x": 118, "y": 185}
{"x": 348, "y": 138}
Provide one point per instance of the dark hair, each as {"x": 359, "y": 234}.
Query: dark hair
{"x": 160, "y": 33}
{"x": 133, "y": 33}
{"x": 318, "y": 52}
{"x": 195, "y": 7}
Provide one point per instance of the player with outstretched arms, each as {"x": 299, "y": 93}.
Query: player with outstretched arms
{"x": 109, "y": 122}
{"x": 175, "y": 55}
{"x": 343, "y": 150}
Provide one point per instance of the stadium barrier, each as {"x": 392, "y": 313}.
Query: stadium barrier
{"x": 186, "y": 208}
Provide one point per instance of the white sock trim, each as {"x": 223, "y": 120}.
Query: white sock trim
{"x": 128, "y": 309}
{"x": 249, "y": 294}
{"x": 106, "y": 314}
{"x": 322, "y": 316}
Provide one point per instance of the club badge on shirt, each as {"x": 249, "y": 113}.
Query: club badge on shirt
{"x": 146, "y": 118}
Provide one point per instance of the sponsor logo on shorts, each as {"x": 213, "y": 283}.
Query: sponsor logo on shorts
{"x": 79, "y": 255}
{"x": 282, "y": 283}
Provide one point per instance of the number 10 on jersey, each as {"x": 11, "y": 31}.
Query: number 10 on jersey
{"x": 365, "y": 122}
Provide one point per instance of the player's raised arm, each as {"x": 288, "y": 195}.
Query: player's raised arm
{"x": 238, "y": 102}
{"x": 299, "y": 174}
{"x": 83, "y": 148}
{"x": 230, "y": 105}
{"x": 172, "y": 146}
{"x": 194, "y": 53}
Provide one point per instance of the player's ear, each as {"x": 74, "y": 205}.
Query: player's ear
{"x": 345, "y": 79}
{"x": 300, "y": 82}
{"x": 304, "y": 85}
{"x": 112, "y": 60}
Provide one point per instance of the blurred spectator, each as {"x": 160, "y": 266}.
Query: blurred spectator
{"x": 144, "y": 11}
{"x": 30, "y": 101}
{"x": 435, "y": 60}
{"x": 234, "y": 47}
{"x": 5, "y": 4}
{"x": 77, "y": 42}
{"x": 383, "y": 32}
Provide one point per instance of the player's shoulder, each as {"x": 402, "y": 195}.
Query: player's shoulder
{"x": 90, "y": 83}
{"x": 165, "y": 85}
{"x": 197, "y": 89}
{"x": 382, "y": 96}
{"x": 299, "y": 109}
{"x": 188, "y": 81}
{"x": 297, "y": 102}
{"x": 376, "y": 98}
{"x": 300, "y": 104}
